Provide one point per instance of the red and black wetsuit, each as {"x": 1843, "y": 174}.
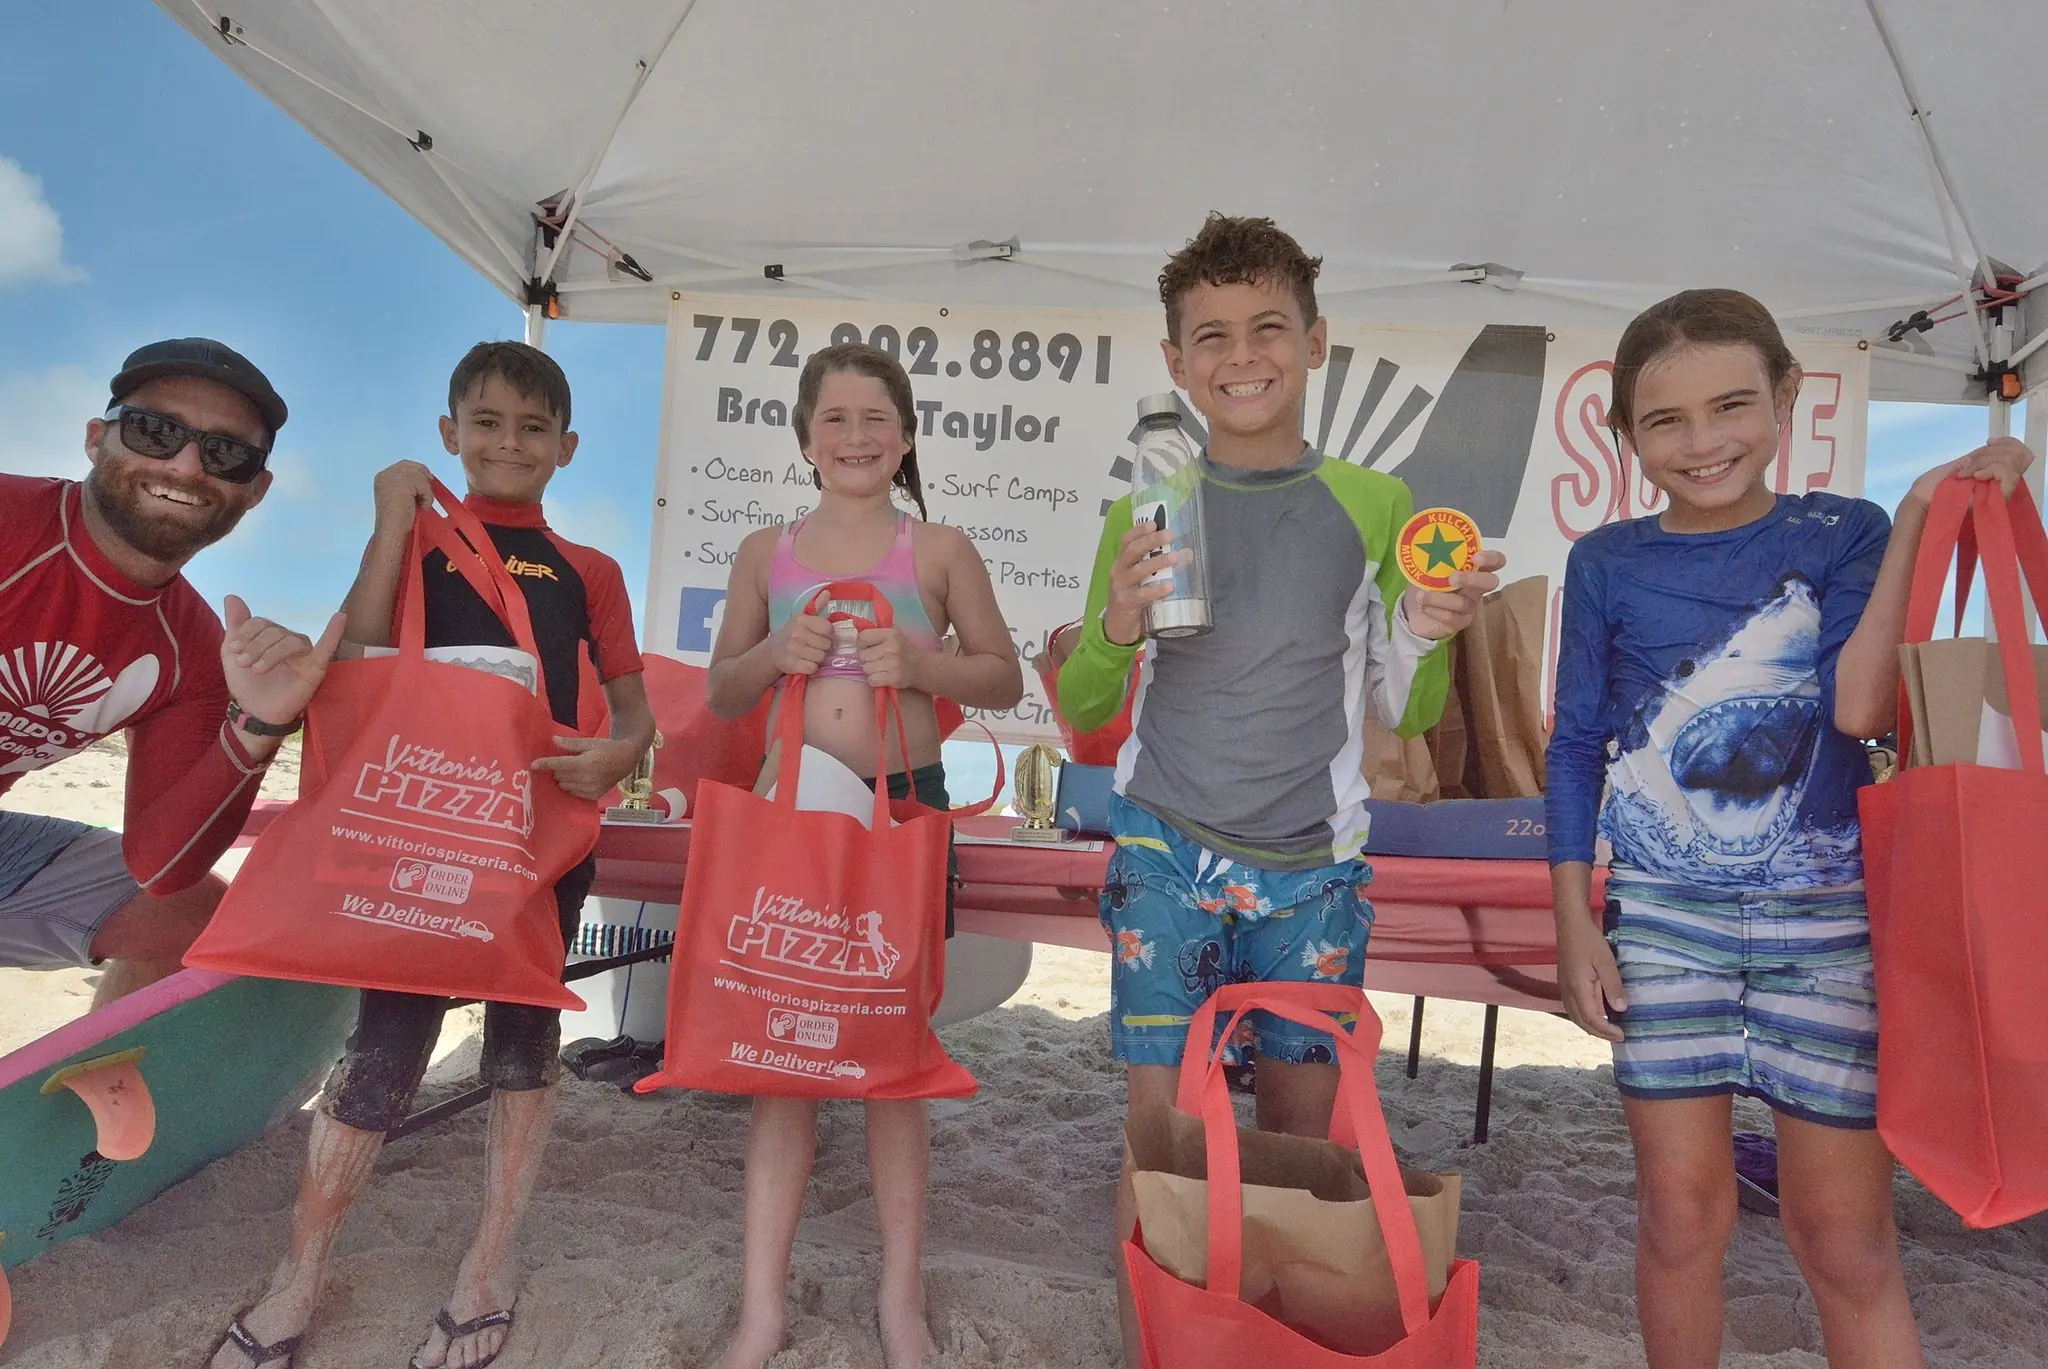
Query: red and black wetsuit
{"x": 575, "y": 596}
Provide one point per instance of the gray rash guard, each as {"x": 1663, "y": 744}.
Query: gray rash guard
{"x": 1247, "y": 739}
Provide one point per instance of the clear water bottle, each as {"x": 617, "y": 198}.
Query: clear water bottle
{"x": 1166, "y": 494}
{"x": 844, "y": 657}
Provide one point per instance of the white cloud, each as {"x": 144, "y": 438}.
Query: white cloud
{"x": 31, "y": 234}
{"x": 45, "y": 412}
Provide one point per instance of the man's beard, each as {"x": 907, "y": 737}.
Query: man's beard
{"x": 115, "y": 485}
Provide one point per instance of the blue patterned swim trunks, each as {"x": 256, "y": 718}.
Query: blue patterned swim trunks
{"x": 1184, "y": 921}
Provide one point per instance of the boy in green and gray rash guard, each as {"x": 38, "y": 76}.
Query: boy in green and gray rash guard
{"x": 1248, "y": 739}
{"x": 1238, "y": 810}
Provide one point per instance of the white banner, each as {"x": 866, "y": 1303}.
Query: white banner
{"x": 1024, "y": 425}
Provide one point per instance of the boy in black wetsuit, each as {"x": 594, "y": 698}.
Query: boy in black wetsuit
{"x": 508, "y": 420}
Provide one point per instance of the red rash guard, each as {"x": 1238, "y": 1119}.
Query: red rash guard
{"x": 85, "y": 652}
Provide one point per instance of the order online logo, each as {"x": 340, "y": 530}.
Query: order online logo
{"x": 431, "y": 879}
{"x": 815, "y": 1030}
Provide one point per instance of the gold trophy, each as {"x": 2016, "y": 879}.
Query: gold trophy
{"x": 637, "y": 789}
{"x": 1035, "y": 799}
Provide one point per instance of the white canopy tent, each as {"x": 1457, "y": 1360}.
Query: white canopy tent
{"x": 1869, "y": 168}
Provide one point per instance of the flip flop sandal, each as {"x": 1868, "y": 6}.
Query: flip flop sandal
{"x": 257, "y": 1352}
{"x": 645, "y": 1060}
{"x": 581, "y": 1058}
{"x": 623, "y": 1070}
{"x": 456, "y": 1330}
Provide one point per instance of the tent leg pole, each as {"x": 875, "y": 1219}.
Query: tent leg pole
{"x": 1484, "y": 1113}
{"x": 1415, "y": 1037}
{"x": 536, "y": 326}
{"x": 1999, "y": 413}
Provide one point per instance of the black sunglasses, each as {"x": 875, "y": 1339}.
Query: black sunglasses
{"x": 158, "y": 437}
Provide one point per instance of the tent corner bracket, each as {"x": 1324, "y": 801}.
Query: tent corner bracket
{"x": 982, "y": 249}
{"x": 1488, "y": 273}
{"x": 2001, "y": 380}
{"x": 543, "y": 295}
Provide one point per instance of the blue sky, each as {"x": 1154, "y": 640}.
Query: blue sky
{"x": 146, "y": 192}
{"x": 186, "y": 204}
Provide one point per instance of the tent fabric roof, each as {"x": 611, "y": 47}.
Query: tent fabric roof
{"x": 1610, "y": 151}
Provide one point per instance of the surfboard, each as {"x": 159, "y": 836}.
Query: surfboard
{"x": 172, "y": 1078}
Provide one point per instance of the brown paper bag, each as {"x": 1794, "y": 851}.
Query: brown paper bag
{"x": 1955, "y": 689}
{"x": 1490, "y": 741}
{"x": 1417, "y": 769}
{"x": 1450, "y": 741}
{"x": 1313, "y": 1255}
{"x": 1399, "y": 769}
{"x": 1499, "y": 677}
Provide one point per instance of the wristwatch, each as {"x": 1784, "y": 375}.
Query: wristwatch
{"x": 256, "y": 727}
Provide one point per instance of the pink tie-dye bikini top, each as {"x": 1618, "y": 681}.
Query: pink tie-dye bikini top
{"x": 791, "y": 585}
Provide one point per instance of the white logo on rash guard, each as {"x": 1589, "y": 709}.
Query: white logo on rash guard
{"x": 56, "y": 699}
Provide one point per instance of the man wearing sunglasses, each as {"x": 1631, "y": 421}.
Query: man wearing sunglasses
{"x": 101, "y": 633}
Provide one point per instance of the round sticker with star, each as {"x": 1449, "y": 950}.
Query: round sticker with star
{"x": 1435, "y": 545}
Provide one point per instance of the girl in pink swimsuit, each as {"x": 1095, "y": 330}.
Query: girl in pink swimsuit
{"x": 856, "y": 424}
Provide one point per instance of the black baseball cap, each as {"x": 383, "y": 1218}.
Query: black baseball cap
{"x": 206, "y": 359}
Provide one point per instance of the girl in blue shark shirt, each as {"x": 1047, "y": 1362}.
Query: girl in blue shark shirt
{"x": 1718, "y": 663}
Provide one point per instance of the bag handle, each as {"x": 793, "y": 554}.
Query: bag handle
{"x": 1964, "y": 516}
{"x": 888, "y": 704}
{"x": 1940, "y": 542}
{"x": 790, "y": 722}
{"x": 1358, "y": 1122}
{"x": 2004, "y": 564}
{"x": 461, "y": 536}
{"x": 975, "y": 810}
{"x": 474, "y": 565}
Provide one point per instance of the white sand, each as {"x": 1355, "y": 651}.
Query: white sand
{"x": 633, "y": 1243}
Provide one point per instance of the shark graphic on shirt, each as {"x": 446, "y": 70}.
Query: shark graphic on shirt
{"x": 1708, "y": 779}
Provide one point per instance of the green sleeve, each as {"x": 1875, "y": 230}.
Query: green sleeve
{"x": 1406, "y": 671}
{"x": 1093, "y": 680}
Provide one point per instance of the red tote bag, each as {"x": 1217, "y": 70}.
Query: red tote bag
{"x": 1954, "y": 864}
{"x": 696, "y": 744}
{"x": 810, "y": 950}
{"x": 1099, "y": 747}
{"x": 422, "y": 853}
{"x": 1182, "y": 1326}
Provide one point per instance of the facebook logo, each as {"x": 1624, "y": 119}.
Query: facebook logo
{"x": 697, "y": 624}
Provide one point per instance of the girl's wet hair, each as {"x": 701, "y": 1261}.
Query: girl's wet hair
{"x": 862, "y": 359}
{"x": 1698, "y": 318}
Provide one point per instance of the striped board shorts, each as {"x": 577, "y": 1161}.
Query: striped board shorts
{"x": 1765, "y": 994}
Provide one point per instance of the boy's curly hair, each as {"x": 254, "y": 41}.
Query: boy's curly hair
{"x": 1236, "y": 251}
